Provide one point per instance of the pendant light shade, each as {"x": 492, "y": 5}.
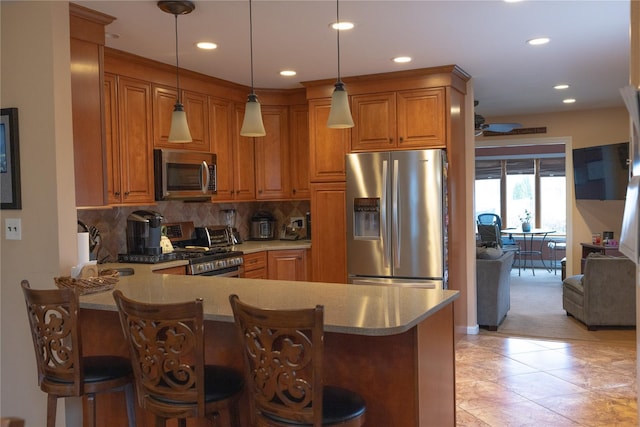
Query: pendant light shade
{"x": 252, "y": 125}
{"x": 179, "y": 132}
{"x": 340, "y": 113}
{"x": 179, "y": 127}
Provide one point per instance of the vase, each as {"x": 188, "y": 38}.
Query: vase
{"x": 526, "y": 227}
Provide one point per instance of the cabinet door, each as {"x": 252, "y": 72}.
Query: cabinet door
{"x": 196, "y": 107}
{"x": 287, "y": 265}
{"x": 164, "y": 99}
{"x": 329, "y": 232}
{"x": 135, "y": 134}
{"x": 299, "y": 149}
{"x": 221, "y": 130}
{"x": 272, "y": 155}
{"x": 114, "y": 171}
{"x": 327, "y": 147}
{"x": 375, "y": 122}
{"x": 86, "y": 99}
{"x": 243, "y": 161}
{"x": 421, "y": 119}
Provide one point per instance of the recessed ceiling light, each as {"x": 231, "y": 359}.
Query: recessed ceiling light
{"x": 342, "y": 25}
{"x": 402, "y": 59}
{"x": 112, "y": 35}
{"x": 512, "y": 1}
{"x": 561, "y": 86}
{"x": 207, "y": 45}
{"x": 538, "y": 41}
{"x": 569, "y": 101}
{"x": 287, "y": 73}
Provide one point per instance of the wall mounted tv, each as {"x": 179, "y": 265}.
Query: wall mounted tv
{"x": 601, "y": 172}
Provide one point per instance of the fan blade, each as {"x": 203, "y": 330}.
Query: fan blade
{"x": 501, "y": 127}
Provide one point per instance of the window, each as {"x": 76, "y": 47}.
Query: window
{"x": 508, "y": 183}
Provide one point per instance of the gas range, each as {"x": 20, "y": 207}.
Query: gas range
{"x": 207, "y": 249}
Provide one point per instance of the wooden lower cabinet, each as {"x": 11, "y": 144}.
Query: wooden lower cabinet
{"x": 255, "y": 265}
{"x": 287, "y": 264}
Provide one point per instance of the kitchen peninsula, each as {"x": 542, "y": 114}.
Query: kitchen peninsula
{"x": 393, "y": 345}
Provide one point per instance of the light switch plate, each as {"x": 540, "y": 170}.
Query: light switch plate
{"x": 13, "y": 228}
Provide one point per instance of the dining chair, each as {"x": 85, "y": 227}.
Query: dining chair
{"x": 166, "y": 343}
{"x": 63, "y": 371}
{"x": 284, "y": 369}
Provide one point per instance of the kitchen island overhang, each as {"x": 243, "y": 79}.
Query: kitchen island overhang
{"x": 393, "y": 345}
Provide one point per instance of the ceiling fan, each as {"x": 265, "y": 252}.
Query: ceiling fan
{"x": 481, "y": 125}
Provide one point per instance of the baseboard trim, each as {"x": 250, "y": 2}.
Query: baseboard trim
{"x": 473, "y": 330}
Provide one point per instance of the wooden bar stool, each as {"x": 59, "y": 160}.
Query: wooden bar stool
{"x": 283, "y": 354}
{"x": 62, "y": 369}
{"x": 166, "y": 342}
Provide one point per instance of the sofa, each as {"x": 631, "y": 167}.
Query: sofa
{"x": 493, "y": 281}
{"x": 605, "y": 295}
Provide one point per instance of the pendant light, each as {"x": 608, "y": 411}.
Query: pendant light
{"x": 340, "y": 113}
{"x": 252, "y": 124}
{"x": 179, "y": 132}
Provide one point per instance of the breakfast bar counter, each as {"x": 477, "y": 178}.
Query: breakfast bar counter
{"x": 393, "y": 345}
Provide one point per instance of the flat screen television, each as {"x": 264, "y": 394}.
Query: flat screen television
{"x": 601, "y": 172}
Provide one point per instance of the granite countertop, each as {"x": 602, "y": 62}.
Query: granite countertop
{"x": 351, "y": 309}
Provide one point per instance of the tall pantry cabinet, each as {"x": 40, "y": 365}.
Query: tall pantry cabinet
{"x": 87, "y": 62}
{"x": 415, "y": 109}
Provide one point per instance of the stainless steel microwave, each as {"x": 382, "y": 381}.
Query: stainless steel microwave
{"x": 184, "y": 175}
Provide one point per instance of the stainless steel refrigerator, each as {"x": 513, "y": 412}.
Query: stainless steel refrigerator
{"x": 396, "y": 209}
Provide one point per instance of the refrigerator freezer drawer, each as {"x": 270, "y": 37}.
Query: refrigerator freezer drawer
{"x": 385, "y": 281}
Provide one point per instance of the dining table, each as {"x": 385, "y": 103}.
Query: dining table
{"x": 528, "y": 251}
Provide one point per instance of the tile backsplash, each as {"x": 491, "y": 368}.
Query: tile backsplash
{"x": 112, "y": 222}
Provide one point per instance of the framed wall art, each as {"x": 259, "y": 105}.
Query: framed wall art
{"x": 10, "y": 159}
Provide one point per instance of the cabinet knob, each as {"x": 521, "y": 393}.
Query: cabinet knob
{"x": 390, "y": 140}
{"x": 117, "y": 193}
{"x": 294, "y": 191}
{"x": 401, "y": 139}
{"x": 126, "y": 193}
{"x": 259, "y": 191}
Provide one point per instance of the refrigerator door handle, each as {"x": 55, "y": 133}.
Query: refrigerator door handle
{"x": 383, "y": 214}
{"x": 396, "y": 216}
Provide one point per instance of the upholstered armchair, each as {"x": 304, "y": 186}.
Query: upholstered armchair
{"x": 605, "y": 295}
{"x": 493, "y": 282}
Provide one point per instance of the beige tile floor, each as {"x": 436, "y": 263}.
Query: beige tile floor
{"x": 508, "y": 381}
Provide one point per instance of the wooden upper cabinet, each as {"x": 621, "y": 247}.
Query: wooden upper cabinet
{"x": 398, "y": 120}
{"x": 299, "y": 150}
{"x": 114, "y": 173}
{"x": 422, "y": 118}
{"x": 327, "y": 147}
{"x": 196, "y": 107}
{"x": 375, "y": 122}
{"x": 243, "y": 161}
{"x": 135, "y": 140}
{"x": 221, "y": 132}
{"x": 272, "y": 155}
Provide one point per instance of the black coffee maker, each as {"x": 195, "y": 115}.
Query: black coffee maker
{"x": 144, "y": 232}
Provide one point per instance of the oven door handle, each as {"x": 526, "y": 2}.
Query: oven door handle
{"x": 204, "y": 171}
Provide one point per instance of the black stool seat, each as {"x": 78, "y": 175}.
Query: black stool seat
{"x": 105, "y": 368}
{"x": 338, "y": 405}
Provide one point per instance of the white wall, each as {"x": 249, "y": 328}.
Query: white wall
{"x": 35, "y": 78}
{"x": 583, "y": 128}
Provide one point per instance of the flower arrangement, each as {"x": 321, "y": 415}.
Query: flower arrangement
{"x": 526, "y": 217}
